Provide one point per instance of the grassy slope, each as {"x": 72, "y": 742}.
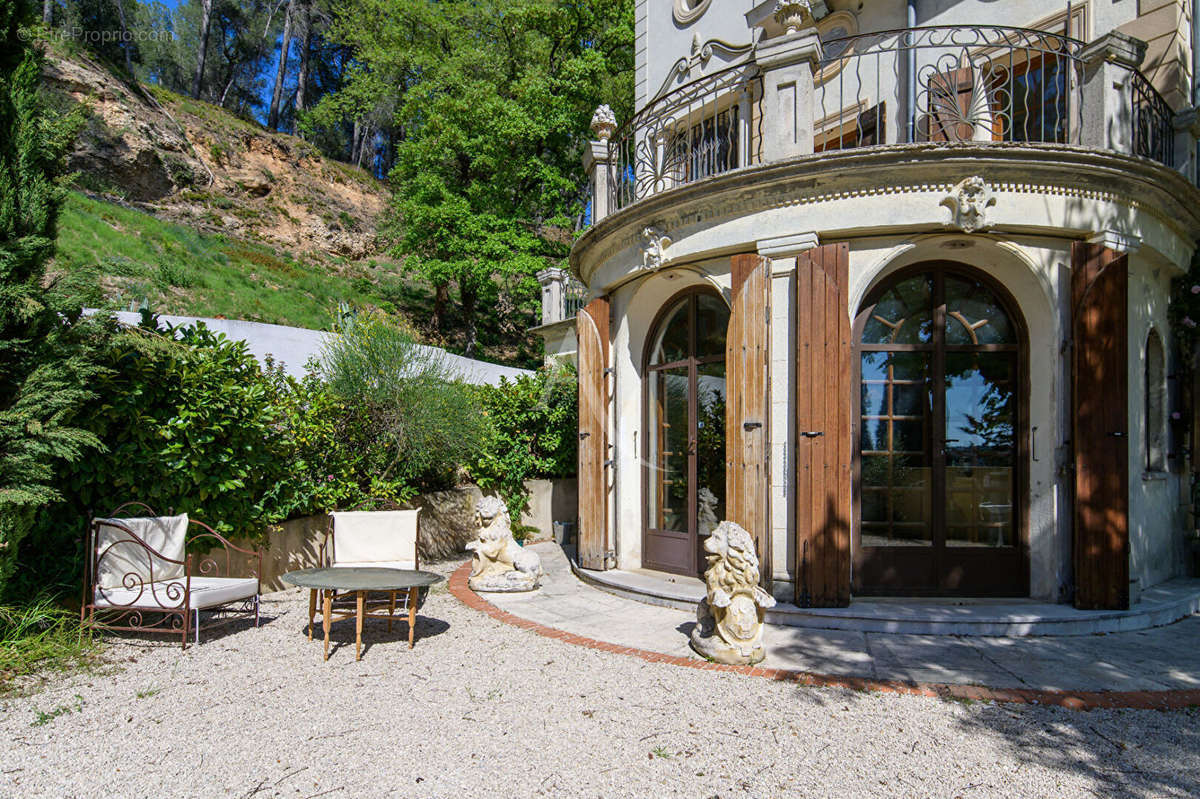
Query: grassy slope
{"x": 114, "y": 256}
{"x": 117, "y": 256}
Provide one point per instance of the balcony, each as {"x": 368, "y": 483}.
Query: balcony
{"x": 932, "y": 85}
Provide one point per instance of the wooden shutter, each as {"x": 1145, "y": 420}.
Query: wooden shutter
{"x": 591, "y": 330}
{"x": 823, "y": 433}
{"x": 747, "y": 408}
{"x": 1100, "y": 419}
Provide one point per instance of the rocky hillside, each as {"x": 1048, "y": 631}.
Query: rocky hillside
{"x": 191, "y": 163}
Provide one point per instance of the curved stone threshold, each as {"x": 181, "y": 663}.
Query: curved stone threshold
{"x": 1072, "y": 700}
{"x": 1159, "y": 606}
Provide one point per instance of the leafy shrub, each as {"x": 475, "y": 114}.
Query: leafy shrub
{"x": 403, "y": 407}
{"x": 189, "y": 425}
{"x": 533, "y": 423}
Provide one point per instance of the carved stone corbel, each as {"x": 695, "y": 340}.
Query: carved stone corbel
{"x": 969, "y": 202}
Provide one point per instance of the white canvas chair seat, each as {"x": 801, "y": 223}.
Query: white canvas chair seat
{"x": 206, "y": 592}
{"x": 382, "y": 539}
{"x": 378, "y": 564}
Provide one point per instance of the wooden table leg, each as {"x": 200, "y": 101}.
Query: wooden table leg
{"x": 312, "y": 609}
{"x": 391, "y": 610}
{"x": 327, "y": 607}
{"x": 413, "y": 593}
{"x": 361, "y": 595}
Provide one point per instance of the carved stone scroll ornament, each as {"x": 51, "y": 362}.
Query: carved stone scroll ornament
{"x": 499, "y": 563}
{"x": 729, "y": 620}
{"x": 969, "y": 202}
{"x": 654, "y": 246}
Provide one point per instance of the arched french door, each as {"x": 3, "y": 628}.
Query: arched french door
{"x": 941, "y": 436}
{"x": 684, "y": 443}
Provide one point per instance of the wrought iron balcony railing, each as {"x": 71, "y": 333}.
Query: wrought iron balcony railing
{"x": 704, "y": 128}
{"x": 934, "y": 84}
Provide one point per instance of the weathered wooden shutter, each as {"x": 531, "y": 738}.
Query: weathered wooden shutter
{"x": 1100, "y": 420}
{"x": 591, "y": 330}
{"x": 823, "y": 432}
{"x": 747, "y": 408}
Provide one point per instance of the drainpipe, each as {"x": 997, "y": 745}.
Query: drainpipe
{"x": 911, "y": 69}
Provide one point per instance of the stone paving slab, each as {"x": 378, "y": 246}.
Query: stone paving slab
{"x": 1156, "y": 660}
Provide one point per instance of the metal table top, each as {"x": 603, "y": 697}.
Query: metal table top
{"x": 361, "y": 578}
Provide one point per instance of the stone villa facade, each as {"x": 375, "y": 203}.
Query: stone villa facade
{"x": 886, "y": 283}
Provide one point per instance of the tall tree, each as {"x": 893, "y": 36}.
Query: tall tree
{"x": 43, "y": 372}
{"x": 206, "y": 14}
{"x": 492, "y": 100}
{"x": 281, "y": 72}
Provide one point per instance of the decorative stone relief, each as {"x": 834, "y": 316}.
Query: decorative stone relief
{"x": 729, "y": 620}
{"x": 654, "y": 246}
{"x": 499, "y": 563}
{"x": 968, "y": 203}
{"x": 604, "y": 123}
{"x": 688, "y": 11}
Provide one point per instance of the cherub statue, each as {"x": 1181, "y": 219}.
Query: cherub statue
{"x": 729, "y": 620}
{"x": 500, "y": 564}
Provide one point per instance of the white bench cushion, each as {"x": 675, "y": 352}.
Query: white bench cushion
{"x": 373, "y": 538}
{"x": 206, "y": 592}
{"x": 166, "y": 535}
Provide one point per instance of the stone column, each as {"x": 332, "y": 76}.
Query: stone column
{"x": 787, "y": 63}
{"x": 596, "y": 160}
{"x": 553, "y": 282}
{"x": 1187, "y": 132}
{"x": 1109, "y": 64}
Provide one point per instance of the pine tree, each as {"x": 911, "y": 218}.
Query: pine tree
{"x": 44, "y": 362}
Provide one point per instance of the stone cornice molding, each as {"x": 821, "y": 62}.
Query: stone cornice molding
{"x": 1050, "y": 169}
{"x": 1115, "y": 48}
{"x": 787, "y": 246}
{"x": 1117, "y": 241}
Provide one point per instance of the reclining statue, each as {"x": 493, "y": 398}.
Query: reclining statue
{"x": 729, "y": 620}
{"x": 500, "y": 564}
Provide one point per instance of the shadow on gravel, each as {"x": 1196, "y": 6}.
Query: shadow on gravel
{"x": 1126, "y": 754}
{"x": 375, "y": 632}
{"x": 160, "y": 639}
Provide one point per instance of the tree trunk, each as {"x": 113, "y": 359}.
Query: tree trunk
{"x": 305, "y": 45}
{"x": 355, "y": 141}
{"x": 125, "y": 45}
{"x": 469, "y": 300}
{"x": 47, "y": 12}
{"x": 202, "y": 53}
{"x": 281, "y": 72}
{"x": 441, "y": 295}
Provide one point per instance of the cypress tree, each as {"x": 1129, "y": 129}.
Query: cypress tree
{"x": 45, "y": 364}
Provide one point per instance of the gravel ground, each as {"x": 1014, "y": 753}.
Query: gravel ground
{"x": 484, "y": 709}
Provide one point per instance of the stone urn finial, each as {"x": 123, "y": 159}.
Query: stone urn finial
{"x": 794, "y": 14}
{"x": 604, "y": 123}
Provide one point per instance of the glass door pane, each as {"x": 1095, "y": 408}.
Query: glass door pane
{"x": 894, "y": 445}
{"x": 710, "y": 447}
{"x": 980, "y": 449}
{"x": 668, "y": 448}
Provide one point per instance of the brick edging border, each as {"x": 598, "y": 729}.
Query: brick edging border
{"x": 1072, "y": 700}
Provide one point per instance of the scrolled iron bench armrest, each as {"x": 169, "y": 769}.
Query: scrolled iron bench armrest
{"x": 208, "y": 564}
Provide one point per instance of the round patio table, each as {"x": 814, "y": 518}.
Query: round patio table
{"x": 360, "y": 580}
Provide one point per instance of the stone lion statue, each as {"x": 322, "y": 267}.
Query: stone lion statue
{"x": 729, "y": 619}
{"x": 499, "y": 563}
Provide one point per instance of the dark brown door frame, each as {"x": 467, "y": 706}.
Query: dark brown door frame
{"x": 693, "y": 365}
{"x": 938, "y": 349}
